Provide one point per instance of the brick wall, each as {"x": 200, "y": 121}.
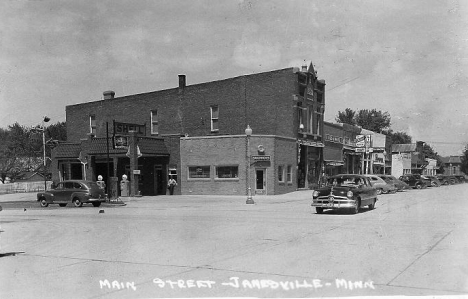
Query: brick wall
{"x": 231, "y": 150}
{"x": 265, "y": 101}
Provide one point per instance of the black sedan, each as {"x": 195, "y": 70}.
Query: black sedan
{"x": 73, "y": 191}
{"x": 345, "y": 191}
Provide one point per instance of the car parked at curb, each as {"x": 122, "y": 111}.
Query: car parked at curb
{"x": 433, "y": 181}
{"x": 400, "y": 185}
{"x": 447, "y": 179}
{"x": 381, "y": 185}
{"x": 77, "y": 192}
{"x": 414, "y": 181}
{"x": 460, "y": 178}
{"x": 345, "y": 191}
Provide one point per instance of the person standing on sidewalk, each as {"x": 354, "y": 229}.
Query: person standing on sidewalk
{"x": 171, "y": 185}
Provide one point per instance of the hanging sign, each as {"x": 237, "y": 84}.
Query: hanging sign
{"x": 120, "y": 141}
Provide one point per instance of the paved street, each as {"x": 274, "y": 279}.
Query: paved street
{"x": 413, "y": 243}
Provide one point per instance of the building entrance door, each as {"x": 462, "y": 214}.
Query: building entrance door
{"x": 159, "y": 180}
{"x": 260, "y": 181}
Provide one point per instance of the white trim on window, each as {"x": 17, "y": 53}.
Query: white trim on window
{"x": 92, "y": 124}
{"x": 154, "y": 122}
{"x": 214, "y": 110}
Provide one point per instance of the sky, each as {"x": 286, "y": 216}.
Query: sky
{"x": 408, "y": 57}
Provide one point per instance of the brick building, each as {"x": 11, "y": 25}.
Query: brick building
{"x": 197, "y": 134}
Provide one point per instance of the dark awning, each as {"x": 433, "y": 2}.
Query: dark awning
{"x": 148, "y": 146}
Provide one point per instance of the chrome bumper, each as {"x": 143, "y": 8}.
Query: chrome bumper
{"x": 333, "y": 204}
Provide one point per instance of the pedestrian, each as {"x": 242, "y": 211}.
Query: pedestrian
{"x": 100, "y": 182}
{"x": 171, "y": 185}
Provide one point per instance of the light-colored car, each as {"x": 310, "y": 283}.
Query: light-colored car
{"x": 73, "y": 191}
{"x": 400, "y": 185}
{"x": 382, "y": 186}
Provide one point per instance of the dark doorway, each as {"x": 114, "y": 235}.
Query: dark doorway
{"x": 159, "y": 180}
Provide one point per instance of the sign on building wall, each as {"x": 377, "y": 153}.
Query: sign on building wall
{"x": 120, "y": 142}
{"x": 360, "y": 140}
{"x": 124, "y": 128}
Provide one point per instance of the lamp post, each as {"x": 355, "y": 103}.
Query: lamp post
{"x": 44, "y": 120}
{"x": 248, "y": 133}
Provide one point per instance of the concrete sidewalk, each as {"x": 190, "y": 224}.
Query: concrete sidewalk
{"x": 292, "y": 196}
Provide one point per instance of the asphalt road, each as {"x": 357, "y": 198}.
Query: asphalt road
{"x": 413, "y": 243}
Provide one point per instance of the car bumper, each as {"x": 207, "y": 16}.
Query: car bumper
{"x": 342, "y": 204}
{"x": 97, "y": 199}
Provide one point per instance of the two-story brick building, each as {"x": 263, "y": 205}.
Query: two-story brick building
{"x": 197, "y": 134}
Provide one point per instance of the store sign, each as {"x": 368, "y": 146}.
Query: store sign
{"x": 261, "y": 158}
{"x": 360, "y": 150}
{"x": 310, "y": 143}
{"x": 125, "y": 128}
{"x": 360, "y": 140}
{"x": 120, "y": 141}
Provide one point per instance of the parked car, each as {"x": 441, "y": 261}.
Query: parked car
{"x": 345, "y": 191}
{"x": 444, "y": 180}
{"x": 400, "y": 185}
{"x": 381, "y": 185}
{"x": 447, "y": 179}
{"x": 414, "y": 181}
{"x": 73, "y": 191}
{"x": 433, "y": 181}
{"x": 461, "y": 178}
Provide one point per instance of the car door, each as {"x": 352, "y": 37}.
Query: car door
{"x": 66, "y": 192}
{"x": 56, "y": 192}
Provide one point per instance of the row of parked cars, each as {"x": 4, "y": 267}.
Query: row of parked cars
{"x": 354, "y": 191}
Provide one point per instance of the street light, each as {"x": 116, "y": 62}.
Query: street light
{"x": 248, "y": 133}
{"x": 44, "y": 120}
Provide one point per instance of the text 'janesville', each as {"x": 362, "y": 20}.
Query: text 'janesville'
{"x": 236, "y": 282}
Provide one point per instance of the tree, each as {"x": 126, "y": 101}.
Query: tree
{"x": 19, "y": 152}
{"x": 373, "y": 120}
{"x": 57, "y": 131}
{"x": 398, "y": 137}
{"x": 346, "y": 117}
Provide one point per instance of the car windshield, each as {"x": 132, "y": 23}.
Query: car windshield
{"x": 345, "y": 181}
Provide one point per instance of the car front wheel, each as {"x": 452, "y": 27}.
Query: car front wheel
{"x": 372, "y": 205}
{"x": 379, "y": 191}
{"x": 355, "y": 209}
{"x": 44, "y": 203}
{"x": 77, "y": 202}
{"x": 418, "y": 186}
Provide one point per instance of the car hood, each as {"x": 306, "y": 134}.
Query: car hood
{"x": 335, "y": 190}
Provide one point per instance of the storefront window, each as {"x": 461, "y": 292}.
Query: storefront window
{"x": 199, "y": 172}
{"x": 227, "y": 172}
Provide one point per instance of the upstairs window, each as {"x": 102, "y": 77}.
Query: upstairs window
{"x": 154, "y": 122}
{"x": 92, "y": 124}
{"x": 214, "y": 118}
{"x": 280, "y": 173}
{"x": 289, "y": 174}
